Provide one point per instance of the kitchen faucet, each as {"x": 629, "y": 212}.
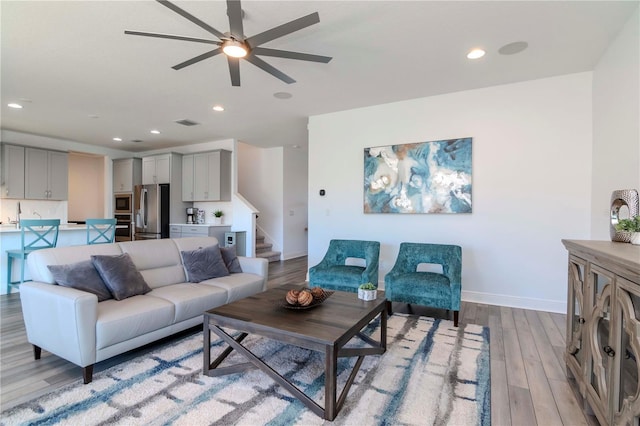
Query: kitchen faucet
{"x": 18, "y": 211}
{"x": 38, "y": 214}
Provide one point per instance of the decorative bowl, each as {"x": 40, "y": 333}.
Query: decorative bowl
{"x": 316, "y": 301}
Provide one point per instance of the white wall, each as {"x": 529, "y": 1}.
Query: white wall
{"x": 531, "y": 184}
{"x": 86, "y": 178}
{"x": 295, "y": 196}
{"x": 260, "y": 181}
{"x": 616, "y": 123}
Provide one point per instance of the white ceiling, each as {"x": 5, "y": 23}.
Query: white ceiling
{"x": 70, "y": 60}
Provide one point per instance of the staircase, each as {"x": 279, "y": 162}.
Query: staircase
{"x": 264, "y": 250}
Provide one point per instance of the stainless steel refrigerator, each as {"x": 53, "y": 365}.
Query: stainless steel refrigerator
{"x": 151, "y": 211}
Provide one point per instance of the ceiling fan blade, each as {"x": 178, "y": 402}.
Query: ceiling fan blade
{"x": 290, "y": 55}
{"x": 172, "y": 37}
{"x": 198, "y": 58}
{"x": 192, "y": 18}
{"x": 268, "y": 68}
{"x": 283, "y": 30}
{"x": 234, "y": 10}
{"x": 234, "y": 70}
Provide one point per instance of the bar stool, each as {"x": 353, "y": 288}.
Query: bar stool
{"x": 35, "y": 234}
{"x": 101, "y": 231}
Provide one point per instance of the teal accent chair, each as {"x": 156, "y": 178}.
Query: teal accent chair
{"x": 405, "y": 284}
{"x": 333, "y": 273}
{"x": 101, "y": 231}
{"x": 35, "y": 234}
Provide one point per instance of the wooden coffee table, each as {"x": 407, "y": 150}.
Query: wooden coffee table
{"x": 324, "y": 328}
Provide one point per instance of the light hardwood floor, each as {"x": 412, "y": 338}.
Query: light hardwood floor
{"x": 528, "y": 382}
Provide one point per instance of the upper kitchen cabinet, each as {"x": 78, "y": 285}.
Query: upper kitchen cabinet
{"x": 127, "y": 172}
{"x": 206, "y": 176}
{"x": 157, "y": 169}
{"x": 46, "y": 174}
{"x": 12, "y": 185}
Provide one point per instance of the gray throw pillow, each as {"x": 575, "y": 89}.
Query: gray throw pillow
{"x": 204, "y": 263}
{"x": 81, "y": 276}
{"x": 230, "y": 259}
{"x": 120, "y": 275}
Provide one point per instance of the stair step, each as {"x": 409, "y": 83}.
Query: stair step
{"x": 271, "y": 256}
{"x": 262, "y": 247}
{"x": 260, "y": 239}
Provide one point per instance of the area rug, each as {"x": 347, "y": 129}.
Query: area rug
{"x": 431, "y": 374}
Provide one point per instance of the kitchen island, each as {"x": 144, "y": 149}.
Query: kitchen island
{"x": 68, "y": 235}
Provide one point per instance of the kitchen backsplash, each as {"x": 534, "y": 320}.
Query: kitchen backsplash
{"x": 210, "y": 207}
{"x": 33, "y": 209}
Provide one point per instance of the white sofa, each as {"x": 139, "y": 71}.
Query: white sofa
{"x": 72, "y": 324}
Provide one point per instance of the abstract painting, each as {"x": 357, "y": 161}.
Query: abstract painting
{"x": 423, "y": 177}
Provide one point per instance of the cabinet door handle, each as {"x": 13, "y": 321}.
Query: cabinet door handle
{"x": 609, "y": 351}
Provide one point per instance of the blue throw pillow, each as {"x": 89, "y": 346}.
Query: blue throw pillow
{"x": 204, "y": 263}
{"x": 120, "y": 275}
{"x": 81, "y": 276}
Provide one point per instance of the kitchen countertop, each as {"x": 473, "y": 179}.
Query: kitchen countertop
{"x": 7, "y": 228}
{"x": 199, "y": 224}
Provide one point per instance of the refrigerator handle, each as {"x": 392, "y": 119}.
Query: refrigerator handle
{"x": 143, "y": 207}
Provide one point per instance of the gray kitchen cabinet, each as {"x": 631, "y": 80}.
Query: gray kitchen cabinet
{"x": 207, "y": 176}
{"x": 127, "y": 172}
{"x": 175, "y": 231}
{"x": 183, "y": 231}
{"x": 46, "y": 174}
{"x": 12, "y": 185}
{"x": 156, "y": 169}
{"x": 187, "y": 177}
{"x": 603, "y": 328}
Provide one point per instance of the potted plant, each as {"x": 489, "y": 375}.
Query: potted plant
{"x": 632, "y": 226}
{"x": 218, "y": 216}
{"x": 367, "y": 291}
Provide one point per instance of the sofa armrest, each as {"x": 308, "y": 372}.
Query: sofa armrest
{"x": 61, "y": 320}
{"x": 256, "y": 265}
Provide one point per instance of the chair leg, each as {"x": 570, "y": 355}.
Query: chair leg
{"x": 87, "y": 374}
{"x": 389, "y": 308}
{"x": 9, "y": 273}
{"x": 455, "y": 318}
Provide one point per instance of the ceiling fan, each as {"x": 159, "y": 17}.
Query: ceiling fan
{"x": 235, "y": 45}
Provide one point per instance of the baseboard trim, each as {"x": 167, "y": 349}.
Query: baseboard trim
{"x": 290, "y": 256}
{"x": 557, "y": 306}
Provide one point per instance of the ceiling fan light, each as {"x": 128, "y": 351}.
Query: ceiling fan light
{"x": 235, "y": 49}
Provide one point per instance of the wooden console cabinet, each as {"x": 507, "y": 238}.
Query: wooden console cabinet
{"x": 603, "y": 328}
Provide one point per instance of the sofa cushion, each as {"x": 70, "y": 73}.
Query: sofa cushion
{"x": 238, "y": 286}
{"x": 120, "y": 275}
{"x": 122, "y": 320}
{"x": 231, "y": 259}
{"x": 204, "y": 263}
{"x": 81, "y": 276}
{"x": 158, "y": 261}
{"x": 190, "y": 299}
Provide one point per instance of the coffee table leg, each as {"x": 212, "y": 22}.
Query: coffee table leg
{"x": 330, "y": 378}
{"x": 206, "y": 349}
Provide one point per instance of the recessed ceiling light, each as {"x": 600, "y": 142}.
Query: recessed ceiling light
{"x": 282, "y": 95}
{"x": 513, "y": 48}
{"x": 14, "y": 105}
{"x": 117, "y": 139}
{"x": 475, "y": 54}
{"x": 218, "y": 108}
{"x": 155, "y": 132}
